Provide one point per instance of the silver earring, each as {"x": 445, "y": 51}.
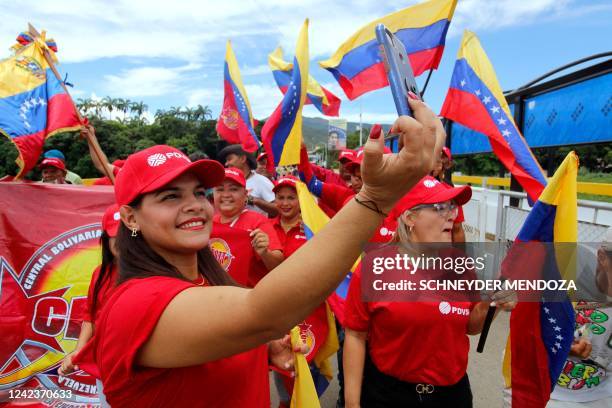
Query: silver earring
{"x": 134, "y": 232}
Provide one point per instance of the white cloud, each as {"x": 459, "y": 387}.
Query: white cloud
{"x": 256, "y": 70}
{"x": 189, "y": 30}
{"x": 150, "y": 81}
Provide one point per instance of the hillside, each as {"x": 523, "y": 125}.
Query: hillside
{"x": 315, "y": 130}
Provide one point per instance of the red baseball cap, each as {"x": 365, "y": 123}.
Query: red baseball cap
{"x": 111, "y": 220}
{"x": 430, "y": 191}
{"x": 235, "y": 175}
{"x": 356, "y": 161}
{"x": 52, "y": 162}
{"x": 287, "y": 181}
{"x": 262, "y": 156}
{"x": 346, "y": 155}
{"x": 447, "y": 153}
{"x": 152, "y": 168}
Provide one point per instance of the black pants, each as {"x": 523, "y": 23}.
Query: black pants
{"x": 383, "y": 391}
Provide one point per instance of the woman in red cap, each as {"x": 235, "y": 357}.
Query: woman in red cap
{"x": 102, "y": 284}
{"x": 230, "y": 199}
{"x": 177, "y": 331}
{"x": 389, "y": 371}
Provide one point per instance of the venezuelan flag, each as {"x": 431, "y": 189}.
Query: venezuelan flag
{"x": 33, "y": 104}
{"x": 326, "y": 102}
{"x": 235, "y": 124}
{"x": 476, "y": 101}
{"x": 282, "y": 132}
{"x": 541, "y": 333}
{"x": 313, "y": 219}
{"x": 357, "y": 64}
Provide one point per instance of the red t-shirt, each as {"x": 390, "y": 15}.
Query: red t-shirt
{"x": 290, "y": 240}
{"x": 106, "y": 289}
{"x": 416, "y": 342}
{"x": 249, "y": 220}
{"x": 126, "y": 323}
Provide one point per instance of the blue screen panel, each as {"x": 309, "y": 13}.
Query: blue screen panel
{"x": 579, "y": 113}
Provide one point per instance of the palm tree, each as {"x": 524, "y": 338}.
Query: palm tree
{"x": 202, "y": 113}
{"x": 123, "y": 105}
{"x": 138, "y": 107}
{"x": 109, "y": 103}
{"x": 84, "y": 105}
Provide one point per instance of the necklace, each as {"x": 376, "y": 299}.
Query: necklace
{"x": 200, "y": 281}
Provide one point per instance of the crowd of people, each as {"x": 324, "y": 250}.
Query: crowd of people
{"x": 208, "y": 337}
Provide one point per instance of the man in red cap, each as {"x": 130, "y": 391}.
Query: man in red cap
{"x": 262, "y": 165}
{"x": 261, "y": 197}
{"x": 53, "y": 171}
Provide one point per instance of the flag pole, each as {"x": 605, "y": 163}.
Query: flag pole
{"x": 94, "y": 143}
{"x": 426, "y": 83}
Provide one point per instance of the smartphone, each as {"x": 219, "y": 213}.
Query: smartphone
{"x": 398, "y": 69}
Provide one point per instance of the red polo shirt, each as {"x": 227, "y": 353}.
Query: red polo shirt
{"x": 290, "y": 240}
{"x": 126, "y": 323}
{"x": 249, "y": 220}
{"x": 416, "y": 342}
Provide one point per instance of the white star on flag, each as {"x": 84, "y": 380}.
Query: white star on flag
{"x": 27, "y": 104}
{"x": 463, "y": 83}
{"x": 558, "y": 345}
{"x": 501, "y": 121}
{"x": 27, "y": 124}
{"x": 557, "y": 328}
{"x": 41, "y": 102}
{"x": 554, "y": 350}
{"x": 495, "y": 109}
{"x": 559, "y": 337}
{"x": 552, "y": 320}
{"x": 477, "y": 92}
{"x": 546, "y": 310}
{"x": 486, "y": 99}
{"x": 506, "y": 133}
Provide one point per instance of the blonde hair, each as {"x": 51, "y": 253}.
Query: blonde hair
{"x": 402, "y": 234}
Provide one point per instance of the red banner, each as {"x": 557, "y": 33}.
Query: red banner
{"x": 49, "y": 247}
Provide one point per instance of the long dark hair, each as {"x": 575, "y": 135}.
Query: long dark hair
{"x": 138, "y": 260}
{"x": 108, "y": 262}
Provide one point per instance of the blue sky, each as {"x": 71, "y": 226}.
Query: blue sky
{"x": 170, "y": 53}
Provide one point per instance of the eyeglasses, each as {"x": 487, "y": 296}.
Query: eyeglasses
{"x": 443, "y": 209}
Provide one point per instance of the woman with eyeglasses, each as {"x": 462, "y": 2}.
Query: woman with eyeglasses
{"x": 413, "y": 353}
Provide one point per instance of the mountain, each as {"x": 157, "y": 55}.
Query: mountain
{"x": 314, "y": 130}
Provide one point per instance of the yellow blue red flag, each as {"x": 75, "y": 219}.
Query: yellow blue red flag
{"x": 476, "y": 100}
{"x": 422, "y": 28}
{"x": 282, "y": 132}
{"x": 236, "y": 124}
{"x": 323, "y": 99}
{"x": 33, "y": 103}
{"x": 541, "y": 333}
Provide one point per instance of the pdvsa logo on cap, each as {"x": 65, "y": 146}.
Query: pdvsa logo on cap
{"x": 232, "y": 172}
{"x": 156, "y": 159}
{"x": 116, "y": 216}
{"x": 430, "y": 183}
